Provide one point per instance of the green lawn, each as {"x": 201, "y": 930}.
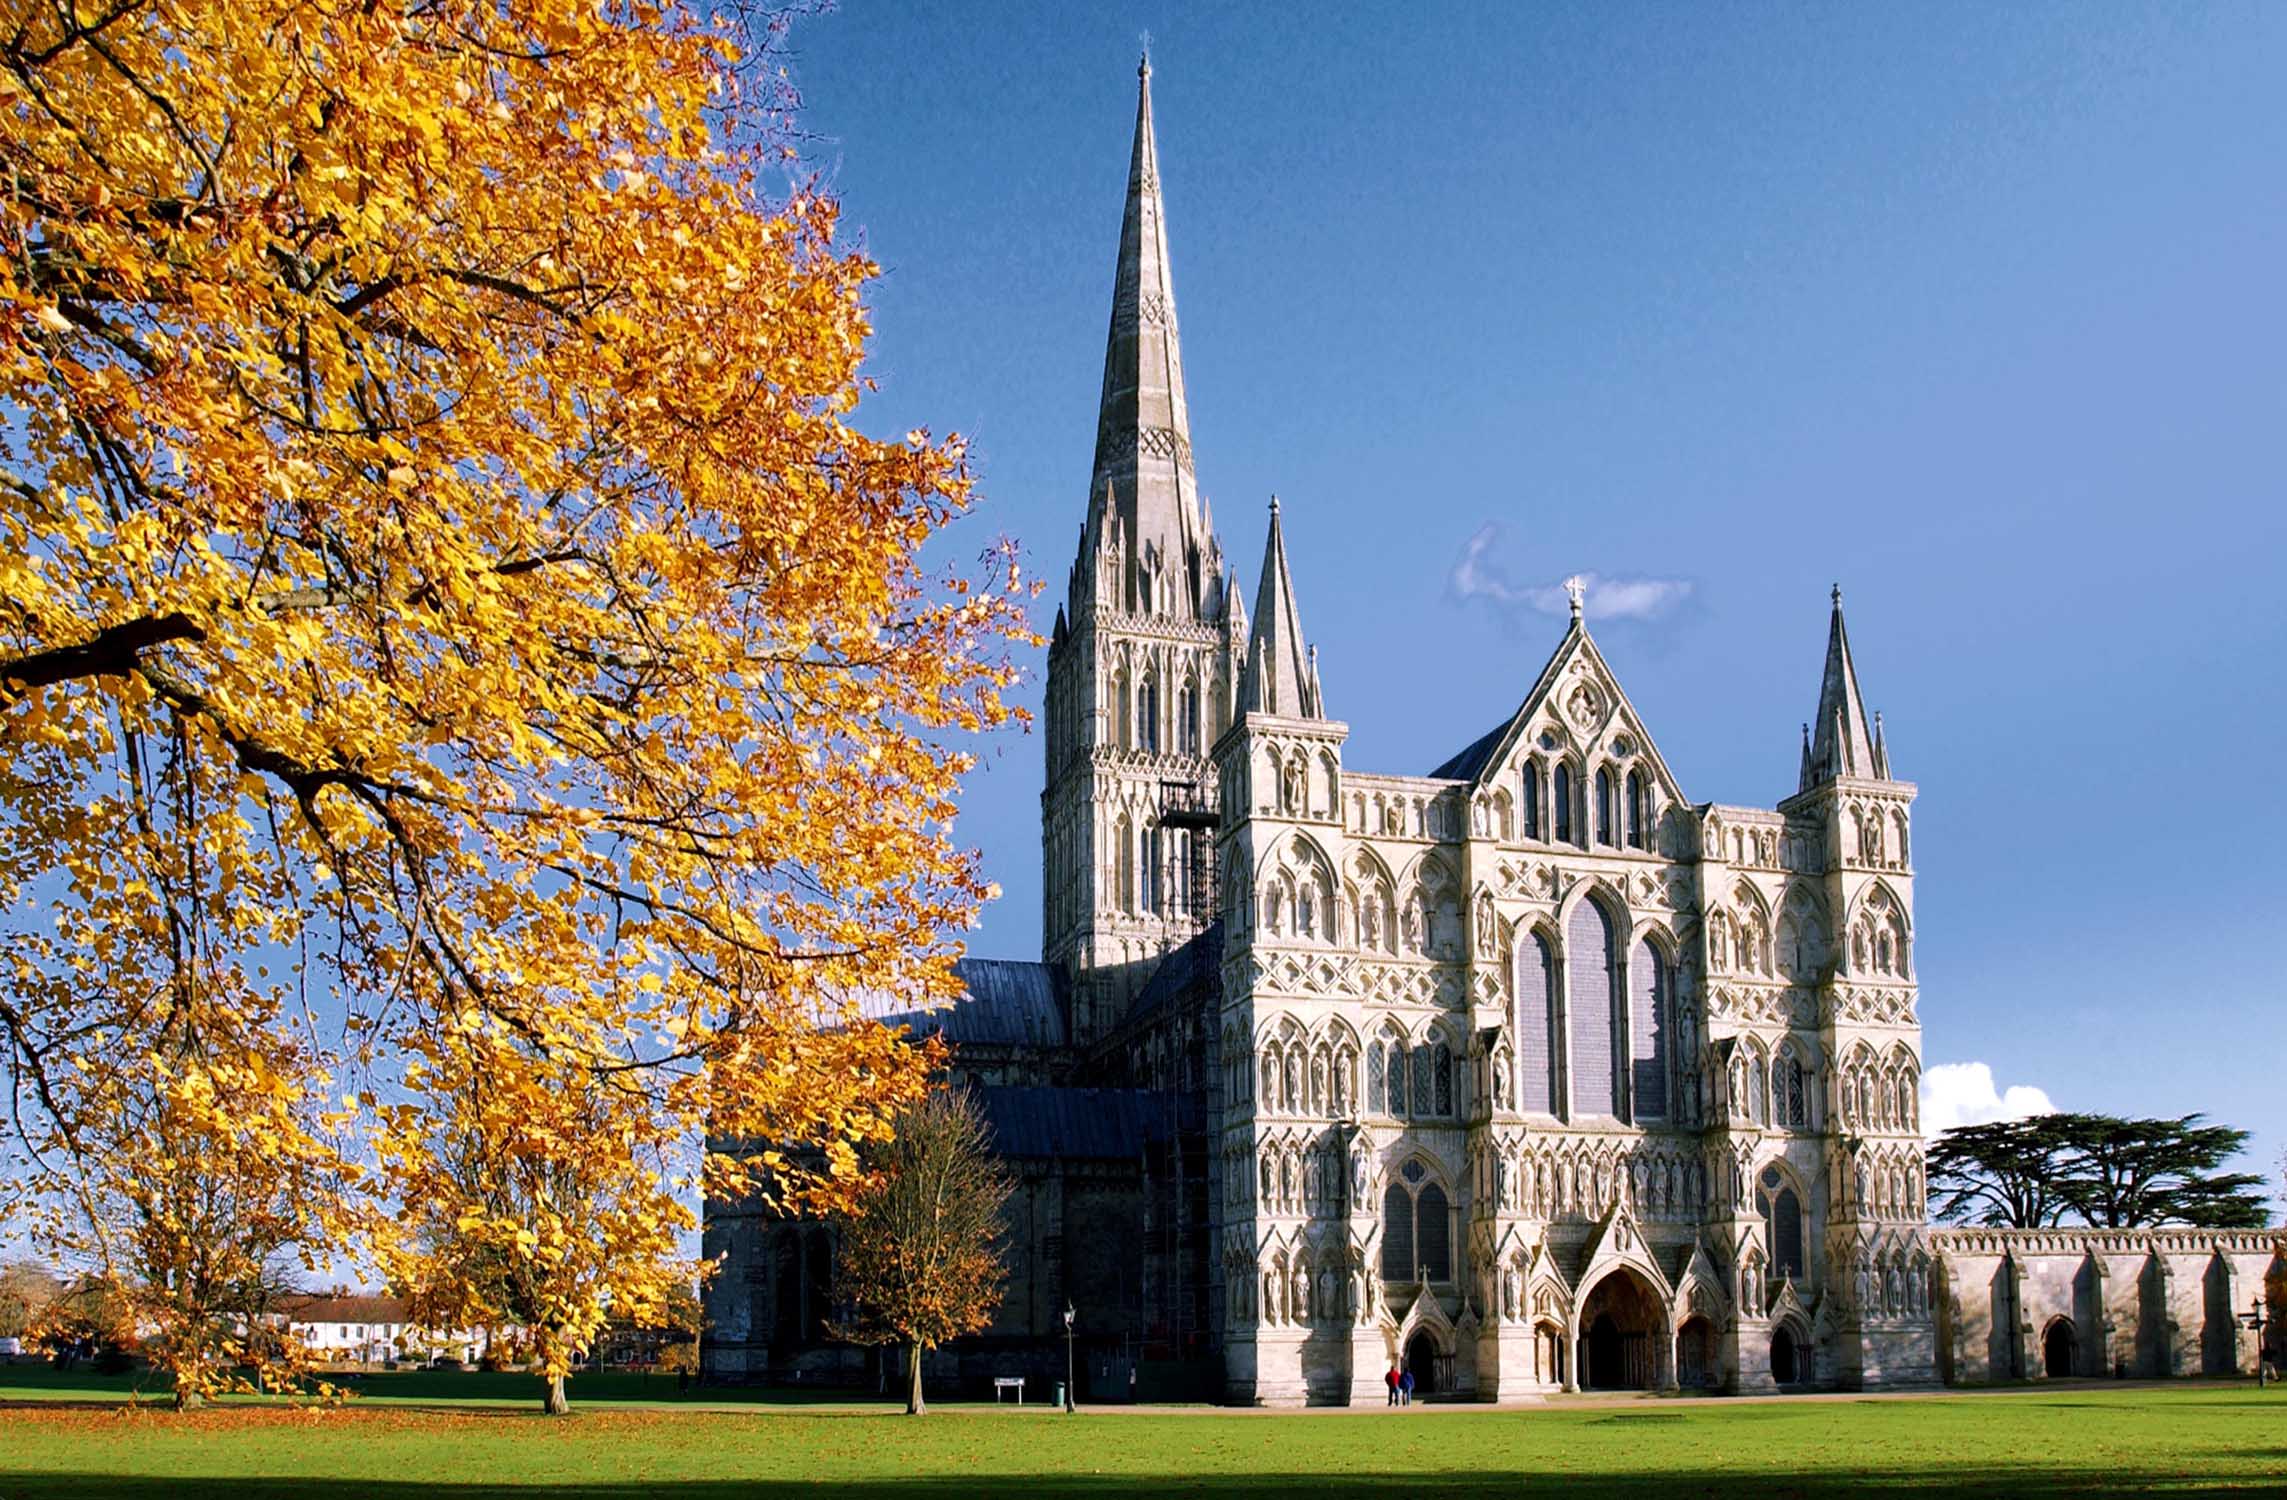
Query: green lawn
{"x": 2047, "y": 1444}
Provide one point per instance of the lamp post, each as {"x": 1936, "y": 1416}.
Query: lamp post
{"x": 2255, "y": 1319}
{"x": 1071, "y": 1370}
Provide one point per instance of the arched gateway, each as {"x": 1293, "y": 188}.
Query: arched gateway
{"x": 1620, "y": 1325}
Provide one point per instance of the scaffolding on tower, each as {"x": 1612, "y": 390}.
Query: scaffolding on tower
{"x": 1184, "y": 806}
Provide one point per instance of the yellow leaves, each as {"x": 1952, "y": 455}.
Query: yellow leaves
{"x": 557, "y": 628}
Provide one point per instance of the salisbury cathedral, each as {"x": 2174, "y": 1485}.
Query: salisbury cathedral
{"x": 1528, "y": 1074}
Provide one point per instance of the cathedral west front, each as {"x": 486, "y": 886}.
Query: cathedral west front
{"x": 1528, "y": 1074}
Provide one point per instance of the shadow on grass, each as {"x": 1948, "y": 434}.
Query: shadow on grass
{"x": 2015, "y": 1483}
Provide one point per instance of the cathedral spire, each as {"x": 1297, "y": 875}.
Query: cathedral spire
{"x": 1143, "y": 425}
{"x": 1281, "y": 674}
{"x": 1842, "y": 745}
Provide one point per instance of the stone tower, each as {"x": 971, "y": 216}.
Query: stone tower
{"x": 1293, "y": 1230}
{"x": 1854, "y": 924}
{"x": 1143, "y": 660}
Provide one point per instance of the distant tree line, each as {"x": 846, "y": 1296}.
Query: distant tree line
{"x": 2109, "y": 1171}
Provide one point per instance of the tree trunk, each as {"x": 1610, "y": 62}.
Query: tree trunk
{"x": 914, "y": 1405}
{"x": 556, "y": 1403}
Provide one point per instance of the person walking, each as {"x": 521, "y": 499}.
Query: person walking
{"x": 1390, "y": 1379}
{"x": 1405, "y": 1388}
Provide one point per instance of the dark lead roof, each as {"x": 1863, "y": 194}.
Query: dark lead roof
{"x": 1010, "y": 1003}
{"x": 1466, "y": 765}
{"x": 1086, "y": 1124}
{"x": 1196, "y": 962}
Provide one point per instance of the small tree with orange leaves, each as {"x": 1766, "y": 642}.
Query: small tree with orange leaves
{"x": 919, "y": 1259}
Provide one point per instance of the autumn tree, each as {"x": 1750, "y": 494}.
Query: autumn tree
{"x": 918, "y": 1256}
{"x": 450, "y": 619}
{"x": 551, "y": 1226}
{"x": 210, "y": 1190}
{"x": 27, "y": 1287}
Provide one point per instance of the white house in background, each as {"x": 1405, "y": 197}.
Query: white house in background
{"x": 355, "y": 1329}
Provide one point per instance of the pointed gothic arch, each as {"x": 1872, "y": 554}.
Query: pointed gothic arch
{"x": 1592, "y": 933}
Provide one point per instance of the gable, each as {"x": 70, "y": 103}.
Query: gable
{"x": 1576, "y": 710}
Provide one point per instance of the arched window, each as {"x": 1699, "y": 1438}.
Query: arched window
{"x": 1397, "y": 1233}
{"x": 1432, "y": 1233}
{"x": 1147, "y": 714}
{"x": 1532, "y": 799}
{"x": 1125, "y": 853}
{"x": 1758, "y": 1099}
{"x": 1397, "y": 1078}
{"x": 1424, "y": 1094}
{"x": 1588, "y": 968}
{"x": 1536, "y": 1027}
{"x": 1647, "y": 1034}
{"x": 1635, "y": 810}
{"x": 1782, "y": 1223}
{"x": 1562, "y": 797}
{"x": 1444, "y": 1080}
{"x": 1787, "y": 1085}
{"x": 1416, "y": 1229}
{"x": 1377, "y": 1089}
{"x": 1187, "y": 719}
{"x": 1153, "y": 894}
{"x": 1603, "y": 806}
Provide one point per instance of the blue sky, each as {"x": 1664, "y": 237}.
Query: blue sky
{"x": 1980, "y": 311}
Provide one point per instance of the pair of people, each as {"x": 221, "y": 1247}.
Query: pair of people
{"x": 1400, "y": 1382}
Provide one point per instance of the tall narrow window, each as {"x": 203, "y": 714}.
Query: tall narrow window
{"x": 1444, "y": 1081}
{"x": 1532, "y": 799}
{"x": 1782, "y": 1223}
{"x": 1433, "y": 1234}
{"x": 1187, "y": 719}
{"x": 1377, "y": 1092}
{"x": 1588, "y": 970}
{"x": 1647, "y": 1034}
{"x": 1147, "y": 715}
{"x": 1562, "y": 797}
{"x": 1603, "y": 806}
{"x": 1153, "y": 895}
{"x": 1397, "y": 1079}
{"x": 1536, "y": 1027}
{"x": 1397, "y": 1233}
{"x": 1424, "y": 1095}
{"x": 1417, "y": 1229}
{"x": 1635, "y": 810}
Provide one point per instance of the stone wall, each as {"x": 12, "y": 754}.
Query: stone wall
{"x": 2037, "y": 1304}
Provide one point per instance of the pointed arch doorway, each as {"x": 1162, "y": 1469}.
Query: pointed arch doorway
{"x": 1616, "y": 1327}
{"x": 1422, "y": 1359}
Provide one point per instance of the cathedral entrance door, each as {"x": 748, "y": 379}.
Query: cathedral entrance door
{"x": 1783, "y": 1370}
{"x": 1616, "y": 1346}
{"x": 1607, "y": 1354}
{"x": 1421, "y": 1359}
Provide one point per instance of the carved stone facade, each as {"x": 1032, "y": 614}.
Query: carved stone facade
{"x": 1531, "y": 1073}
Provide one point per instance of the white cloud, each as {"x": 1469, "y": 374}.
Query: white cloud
{"x": 1964, "y": 1094}
{"x": 1479, "y": 575}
